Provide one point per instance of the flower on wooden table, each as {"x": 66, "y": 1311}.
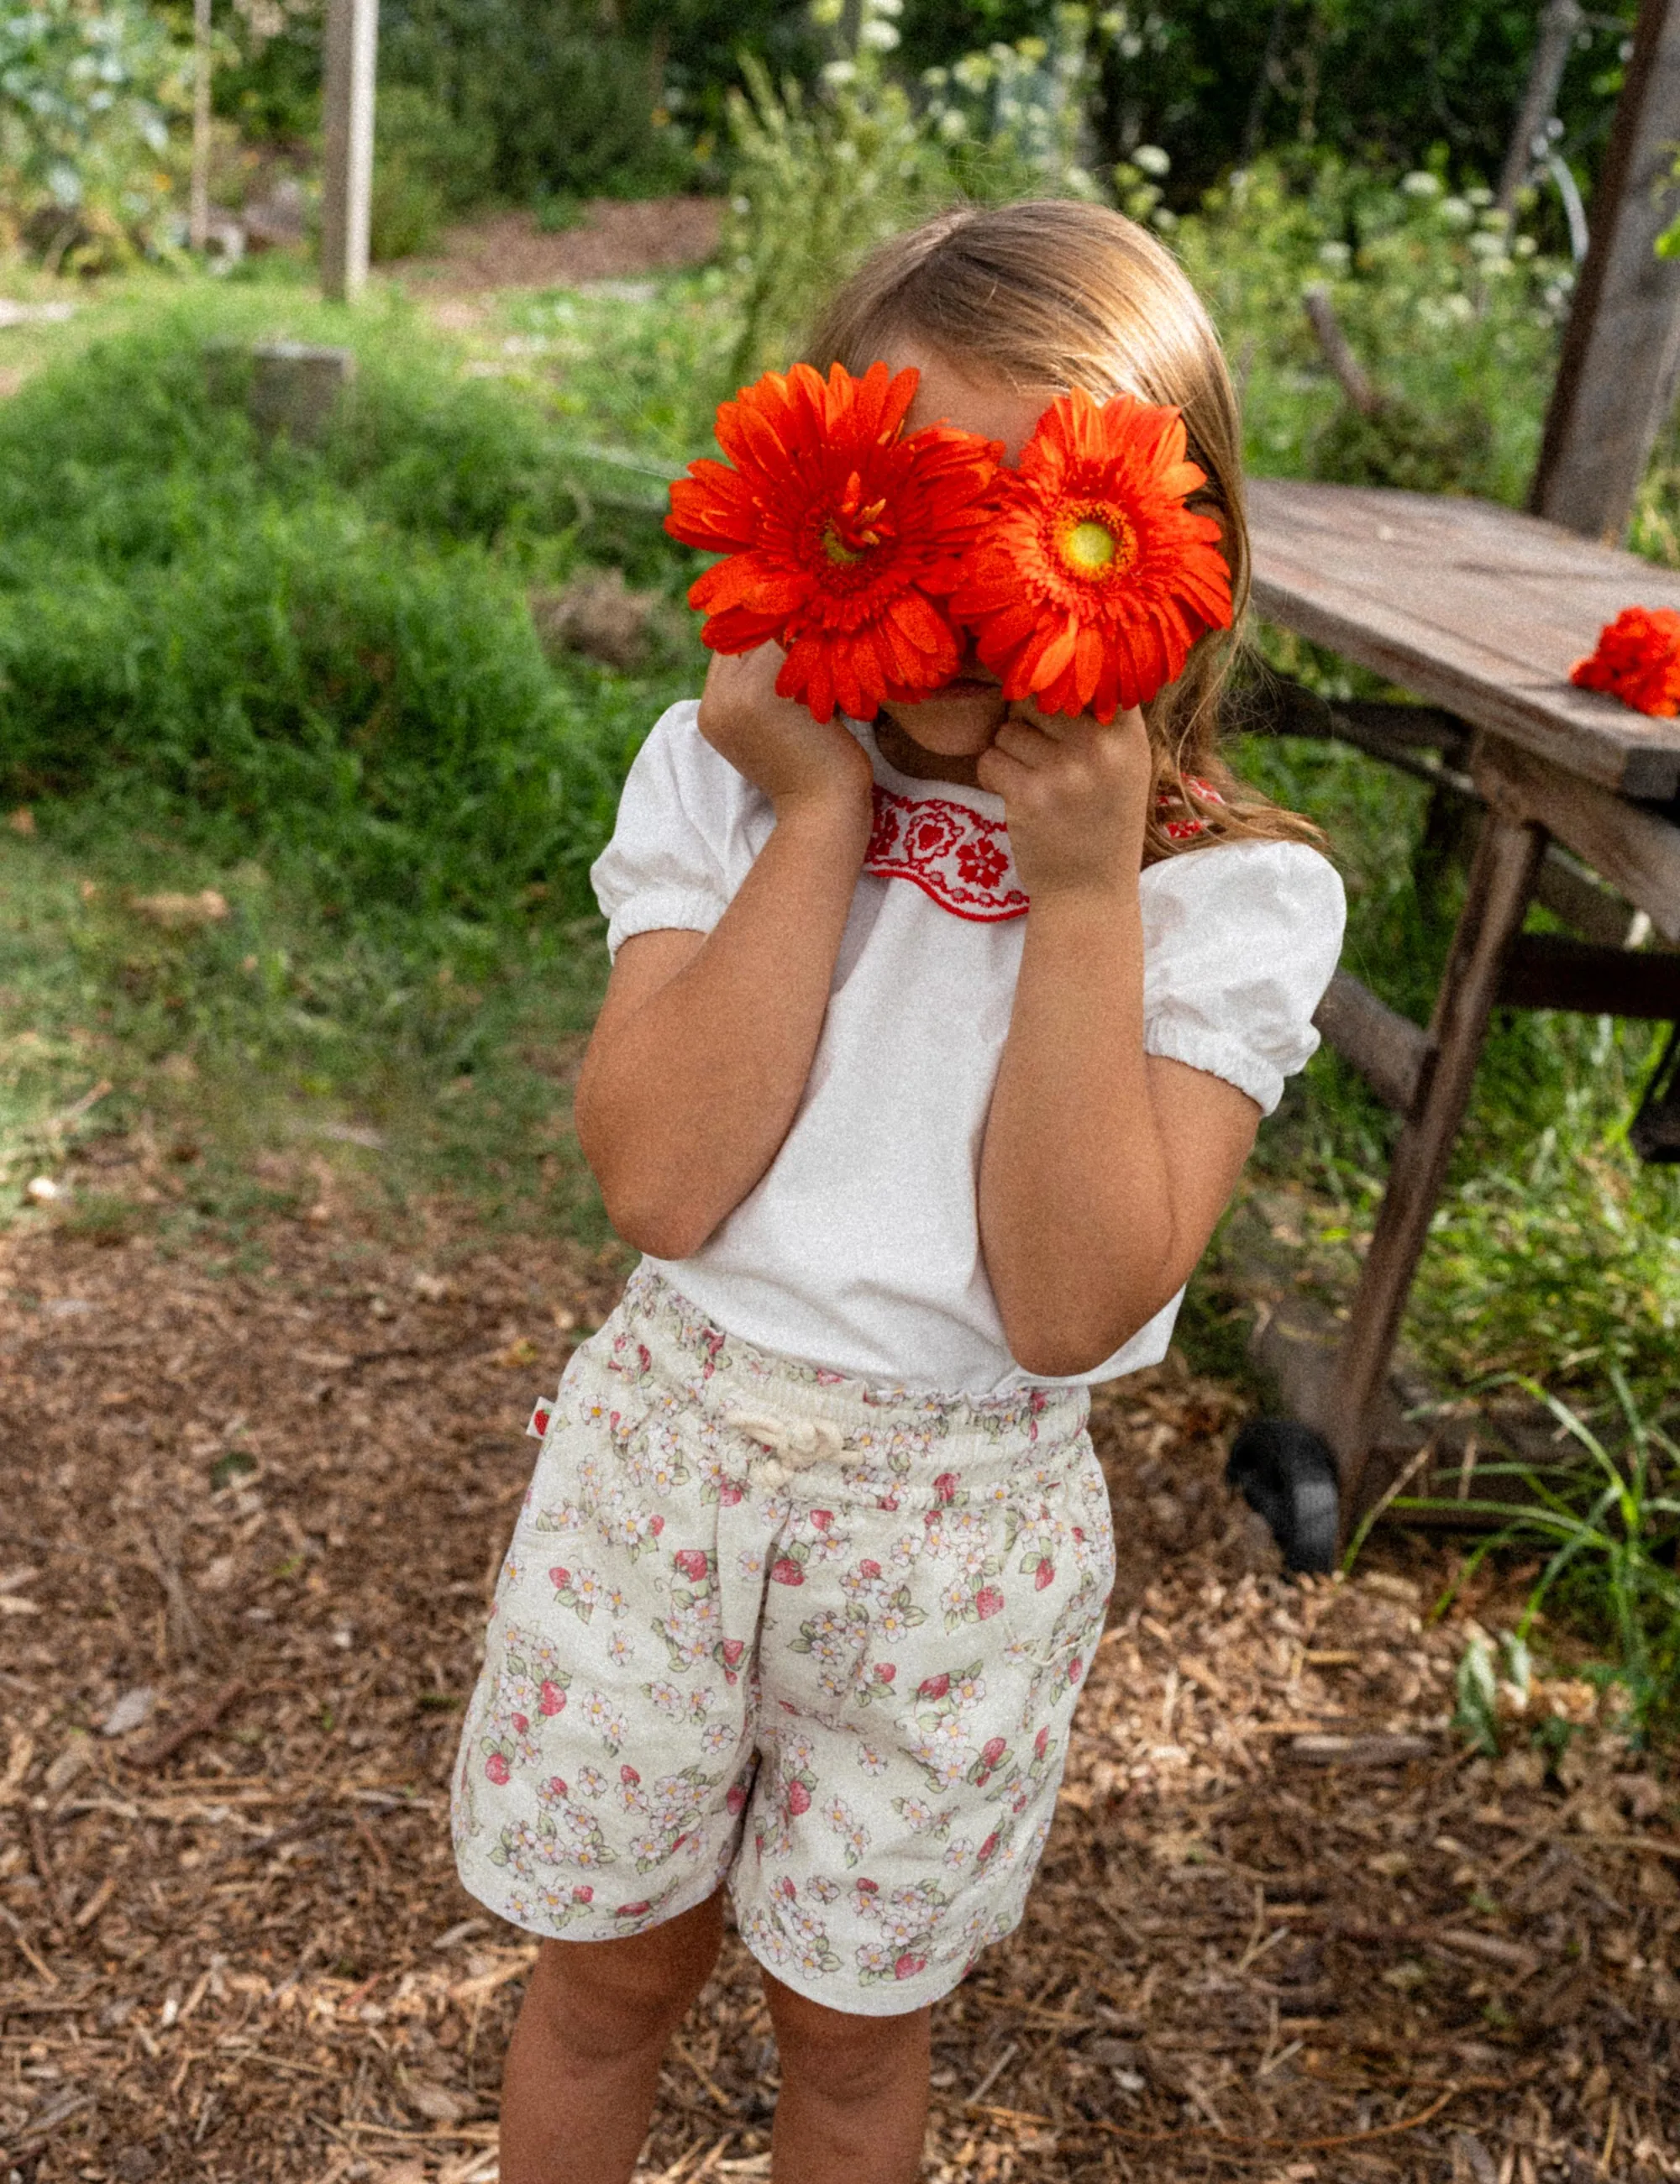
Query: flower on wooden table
{"x": 1094, "y": 580}
{"x": 843, "y": 538}
{"x": 1636, "y": 660}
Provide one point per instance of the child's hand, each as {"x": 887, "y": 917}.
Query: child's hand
{"x": 1076, "y": 793}
{"x": 799, "y": 763}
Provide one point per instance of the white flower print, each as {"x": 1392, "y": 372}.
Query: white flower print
{"x": 591, "y": 1781}
{"x": 871, "y": 1761}
{"x": 619, "y": 1649}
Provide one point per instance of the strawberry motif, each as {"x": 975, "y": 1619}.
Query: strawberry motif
{"x": 799, "y": 1797}
{"x": 908, "y": 1965}
{"x": 497, "y": 1767}
{"x": 935, "y": 1687}
{"x": 551, "y": 1701}
{"x": 692, "y": 1562}
{"x": 945, "y": 1487}
{"x": 885, "y": 1671}
{"x": 733, "y": 1649}
{"x": 784, "y": 1570}
{"x": 628, "y": 1775}
{"x": 988, "y": 1602}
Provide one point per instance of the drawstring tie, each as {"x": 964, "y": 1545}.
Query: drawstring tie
{"x": 789, "y": 1445}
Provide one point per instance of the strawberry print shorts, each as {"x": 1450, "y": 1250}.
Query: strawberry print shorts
{"x": 761, "y": 1624}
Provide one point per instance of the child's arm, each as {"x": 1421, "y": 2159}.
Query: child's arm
{"x": 702, "y": 1050}
{"x": 1105, "y": 1169}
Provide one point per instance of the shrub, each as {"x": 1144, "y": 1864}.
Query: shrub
{"x": 567, "y": 106}
{"x": 87, "y": 172}
{"x": 329, "y": 652}
{"x": 426, "y": 164}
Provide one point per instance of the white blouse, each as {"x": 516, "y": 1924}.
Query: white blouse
{"x": 860, "y": 1248}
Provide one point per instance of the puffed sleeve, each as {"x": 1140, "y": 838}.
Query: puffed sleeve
{"x": 1239, "y": 944}
{"x": 683, "y": 838}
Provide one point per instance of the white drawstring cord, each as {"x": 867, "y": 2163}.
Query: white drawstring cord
{"x": 789, "y": 1444}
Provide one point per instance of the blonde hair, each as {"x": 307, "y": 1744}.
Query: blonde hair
{"x": 1055, "y": 294}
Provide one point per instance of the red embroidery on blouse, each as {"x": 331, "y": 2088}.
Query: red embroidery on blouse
{"x": 1184, "y": 830}
{"x": 961, "y": 860}
{"x": 956, "y": 856}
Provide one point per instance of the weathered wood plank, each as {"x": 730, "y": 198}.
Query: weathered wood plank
{"x": 1638, "y": 852}
{"x": 1388, "y": 1051}
{"x": 1480, "y": 610}
{"x": 1545, "y": 972}
{"x": 1595, "y": 912}
{"x": 1616, "y": 375}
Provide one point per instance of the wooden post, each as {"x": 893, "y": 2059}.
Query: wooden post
{"x": 1621, "y": 348}
{"x": 199, "y": 200}
{"x": 1559, "y": 19}
{"x": 346, "y": 186}
{"x": 1501, "y": 881}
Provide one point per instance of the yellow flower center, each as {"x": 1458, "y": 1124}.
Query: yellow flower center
{"x": 1088, "y": 544}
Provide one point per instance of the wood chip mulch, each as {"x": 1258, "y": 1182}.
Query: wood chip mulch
{"x": 1287, "y": 1928}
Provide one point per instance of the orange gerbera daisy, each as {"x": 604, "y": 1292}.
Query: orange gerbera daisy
{"x": 1093, "y": 579}
{"x": 1637, "y": 660}
{"x": 842, "y": 538}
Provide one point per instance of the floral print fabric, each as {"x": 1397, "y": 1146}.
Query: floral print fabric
{"x": 721, "y": 1651}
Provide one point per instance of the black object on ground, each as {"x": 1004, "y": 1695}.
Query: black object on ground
{"x": 1288, "y": 1473}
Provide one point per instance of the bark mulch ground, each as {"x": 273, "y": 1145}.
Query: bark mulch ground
{"x": 255, "y": 1500}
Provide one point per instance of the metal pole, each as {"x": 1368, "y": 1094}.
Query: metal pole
{"x": 198, "y": 202}
{"x": 346, "y": 186}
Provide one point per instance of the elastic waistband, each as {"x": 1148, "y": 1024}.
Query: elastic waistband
{"x": 895, "y": 1436}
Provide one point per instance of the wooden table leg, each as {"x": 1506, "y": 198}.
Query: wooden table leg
{"x": 1502, "y": 874}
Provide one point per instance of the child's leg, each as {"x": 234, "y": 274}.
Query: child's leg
{"x": 583, "y": 2065}
{"x": 854, "y": 2105}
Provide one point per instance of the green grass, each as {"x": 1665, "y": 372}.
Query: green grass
{"x": 308, "y": 679}
{"x": 1555, "y": 1254}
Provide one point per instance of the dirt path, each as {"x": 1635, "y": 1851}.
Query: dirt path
{"x": 614, "y": 241}
{"x": 273, "y": 1499}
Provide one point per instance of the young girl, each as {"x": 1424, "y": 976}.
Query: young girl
{"x": 931, "y": 1053}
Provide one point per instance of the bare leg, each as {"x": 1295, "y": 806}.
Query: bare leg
{"x": 854, "y": 2106}
{"x": 583, "y": 2065}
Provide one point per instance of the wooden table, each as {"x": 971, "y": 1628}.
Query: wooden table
{"x": 1481, "y": 611}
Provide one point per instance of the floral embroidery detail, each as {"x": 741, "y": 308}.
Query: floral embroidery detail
{"x": 957, "y": 857}
{"x": 1186, "y": 829}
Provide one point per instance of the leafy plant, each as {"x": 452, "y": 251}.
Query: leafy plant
{"x": 427, "y": 164}
{"x": 86, "y": 95}
{"x": 1607, "y": 1526}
